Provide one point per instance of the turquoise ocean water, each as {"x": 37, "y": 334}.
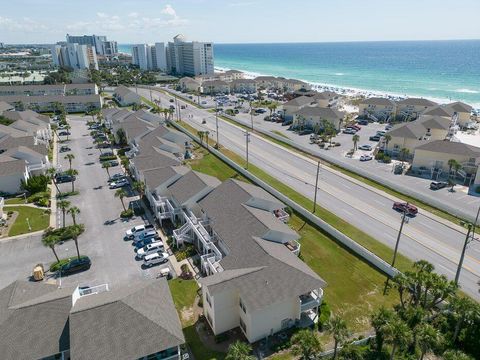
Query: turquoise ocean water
{"x": 442, "y": 70}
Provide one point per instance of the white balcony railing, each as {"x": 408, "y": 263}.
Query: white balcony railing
{"x": 87, "y": 291}
{"x": 293, "y": 246}
{"x": 281, "y": 215}
{"x": 311, "y": 300}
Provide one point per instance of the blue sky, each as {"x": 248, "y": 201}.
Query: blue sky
{"x": 237, "y": 21}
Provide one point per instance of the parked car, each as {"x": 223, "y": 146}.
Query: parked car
{"x": 409, "y": 209}
{"x": 349, "y": 131}
{"x": 64, "y": 133}
{"x": 355, "y": 127}
{"x": 365, "y": 147}
{"x": 64, "y": 149}
{"x": 117, "y": 176}
{"x": 381, "y": 133}
{"x": 155, "y": 259}
{"x": 305, "y": 132}
{"x": 437, "y": 185}
{"x": 149, "y": 240}
{"x": 130, "y": 233}
{"x": 374, "y": 138}
{"x": 76, "y": 265}
{"x": 107, "y": 154}
{"x": 363, "y": 122}
{"x": 111, "y": 162}
{"x": 64, "y": 178}
{"x": 144, "y": 234}
{"x": 151, "y": 248}
{"x": 366, "y": 157}
{"x": 388, "y": 127}
{"x": 171, "y": 100}
{"x": 118, "y": 184}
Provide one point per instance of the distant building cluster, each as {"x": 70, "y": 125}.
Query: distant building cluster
{"x": 82, "y": 52}
{"x": 180, "y": 57}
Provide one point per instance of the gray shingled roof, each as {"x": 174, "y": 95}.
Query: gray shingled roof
{"x": 129, "y": 322}
{"x": 412, "y": 130}
{"x": 4, "y": 106}
{"x": 11, "y": 167}
{"x": 450, "y": 147}
{"x": 161, "y": 160}
{"x": 460, "y": 107}
{"x": 378, "y": 101}
{"x": 191, "y": 184}
{"x": 417, "y": 102}
{"x": 122, "y": 90}
{"x": 34, "y": 320}
{"x": 9, "y": 142}
{"x": 157, "y": 177}
{"x": 299, "y": 101}
{"x": 439, "y": 111}
{"x": 135, "y": 127}
{"x": 322, "y": 112}
{"x": 434, "y": 122}
{"x": 325, "y": 95}
{"x": 8, "y": 130}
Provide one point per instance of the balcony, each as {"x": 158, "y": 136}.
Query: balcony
{"x": 311, "y": 300}
{"x": 293, "y": 246}
{"x": 87, "y": 291}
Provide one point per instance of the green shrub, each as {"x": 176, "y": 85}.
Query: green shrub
{"x": 221, "y": 338}
{"x": 58, "y": 265}
{"x": 380, "y": 156}
{"x": 185, "y": 252}
{"x": 325, "y": 314}
{"x": 36, "y": 184}
{"x": 66, "y": 233}
{"x": 126, "y": 214}
{"x": 387, "y": 159}
{"x": 10, "y": 213}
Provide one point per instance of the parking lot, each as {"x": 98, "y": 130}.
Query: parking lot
{"x": 113, "y": 259}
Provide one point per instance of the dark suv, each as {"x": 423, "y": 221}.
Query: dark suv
{"x": 64, "y": 178}
{"x": 76, "y": 265}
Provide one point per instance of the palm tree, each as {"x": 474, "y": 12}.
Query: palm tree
{"x": 73, "y": 173}
{"x": 355, "y": 139}
{"x": 200, "y": 135}
{"x": 463, "y": 309}
{"x": 387, "y": 139}
{"x": 305, "y": 343}
{"x": 50, "y": 241}
{"x": 206, "y": 137}
{"x": 106, "y": 166}
{"x": 69, "y": 157}
{"x": 403, "y": 154}
{"x": 126, "y": 165}
{"x": 428, "y": 338}
{"x": 63, "y": 205}
{"x": 351, "y": 352}
{"x": 139, "y": 186}
{"x": 455, "y": 355}
{"x": 51, "y": 174}
{"x": 54, "y": 128}
{"x": 398, "y": 334}
{"x": 380, "y": 319}
{"x": 67, "y": 128}
{"x": 239, "y": 350}
{"x": 121, "y": 193}
{"x": 451, "y": 163}
{"x": 74, "y": 211}
{"x": 456, "y": 168}
{"x": 337, "y": 327}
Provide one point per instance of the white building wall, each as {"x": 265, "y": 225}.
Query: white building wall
{"x": 225, "y": 311}
{"x": 10, "y": 184}
{"x": 160, "y": 55}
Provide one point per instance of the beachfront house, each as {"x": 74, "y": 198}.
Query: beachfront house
{"x": 266, "y": 82}
{"x": 432, "y": 159}
{"x": 248, "y": 86}
{"x": 126, "y": 97}
{"x": 313, "y": 117}
{"x": 377, "y": 109}
{"x": 411, "y": 108}
{"x": 231, "y": 75}
{"x": 462, "y": 113}
{"x": 325, "y": 98}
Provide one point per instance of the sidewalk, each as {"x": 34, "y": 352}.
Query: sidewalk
{"x": 53, "y": 189}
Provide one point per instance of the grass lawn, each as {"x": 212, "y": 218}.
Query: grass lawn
{"x": 15, "y": 201}
{"x": 38, "y": 219}
{"x": 184, "y": 293}
{"x": 282, "y": 356}
{"x": 279, "y": 133}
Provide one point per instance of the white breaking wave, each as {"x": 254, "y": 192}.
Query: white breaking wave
{"x": 339, "y": 74}
{"x": 467, "y": 91}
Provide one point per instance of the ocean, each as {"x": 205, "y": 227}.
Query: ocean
{"x": 440, "y": 70}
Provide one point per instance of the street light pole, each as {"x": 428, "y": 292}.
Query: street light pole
{"x": 316, "y": 189}
{"x": 251, "y": 114}
{"x": 396, "y": 247}
{"x": 247, "y": 140}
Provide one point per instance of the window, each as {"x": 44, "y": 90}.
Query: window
{"x": 243, "y": 326}
{"x": 242, "y": 306}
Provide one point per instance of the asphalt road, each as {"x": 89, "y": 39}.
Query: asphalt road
{"x": 423, "y": 237}
{"x": 113, "y": 259}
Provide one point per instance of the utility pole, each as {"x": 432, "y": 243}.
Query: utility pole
{"x": 247, "y": 140}
{"x": 216, "y": 123}
{"x": 151, "y": 97}
{"x": 316, "y": 189}
{"x": 468, "y": 239}
{"x": 176, "y": 106}
{"x": 251, "y": 114}
{"x": 404, "y": 215}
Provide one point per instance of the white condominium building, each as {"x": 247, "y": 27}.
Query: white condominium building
{"x": 189, "y": 58}
{"x": 74, "y": 55}
{"x": 149, "y": 57}
{"x": 100, "y": 43}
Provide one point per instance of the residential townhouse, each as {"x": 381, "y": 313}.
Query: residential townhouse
{"x": 248, "y": 86}
{"x": 95, "y": 323}
{"x": 189, "y": 84}
{"x": 412, "y": 134}
{"x": 292, "y": 106}
{"x": 231, "y": 75}
{"x": 126, "y": 97}
{"x": 49, "y": 90}
{"x": 325, "y": 98}
{"x": 48, "y": 103}
{"x": 30, "y": 122}
{"x": 12, "y": 173}
{"x": 161, "y": 138}
{"x": 133, "y": 127}
{"x": 272, "y": 82}
{"x": 141, "y": 163}
{"x": 215, "y": 87}
{"x": 313, "y": 117}
{"x": 377, "y": 108}
{"x": 462, "y": 113}
{"x": 433, "y": 158}
{"x": 113, "y": 116}
{"x": 411, "y": 108}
